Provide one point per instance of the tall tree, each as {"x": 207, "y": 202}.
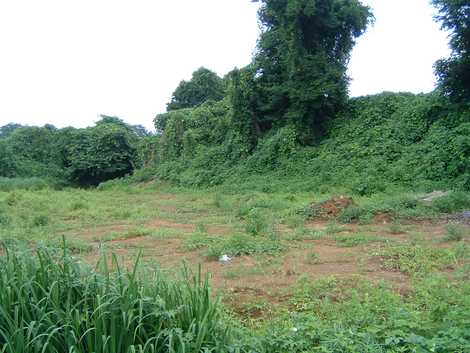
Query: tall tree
{"x": 204, "y": 85}
{"x": 454, "y": 73}
{"x": 301, "y": 62}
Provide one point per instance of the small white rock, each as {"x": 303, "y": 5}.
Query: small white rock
{"x": 225, "y": 258}
{"x": 294, "y": 329}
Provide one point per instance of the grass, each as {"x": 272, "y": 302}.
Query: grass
{"x": 358, "y": 239}
{"x": 454, "y": 232}
{"x": 242, "y": 244}
{"x": 420, "y": 259}
{"x": 279, "y": 297}
{"x": 53, "y": 304}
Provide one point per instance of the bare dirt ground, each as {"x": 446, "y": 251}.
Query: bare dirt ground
{"x": 247, "y": 281}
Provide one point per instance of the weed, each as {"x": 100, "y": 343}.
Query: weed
{"x": 256, "y": 222}
{"x": 78, "y": 205}
{"x": 241, "y": 244}
{"x": 40, "y": 221}
{"x": 396, "y": 228}
{"x": 333, "y": 228}
{"x": 353, "y": 240}
{"x": 417, "y": 259}
{"x": 312, "y": 258}
{"x": 197, "y": 241}
{"x": 5, "y": 219}
{"x": 454, "y": 232}
{"x": 455, "y": 201}
{"x": 63, "y": 307}
{"x": 351, "y": 214}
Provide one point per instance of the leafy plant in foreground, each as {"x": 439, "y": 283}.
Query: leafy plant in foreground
{"x": 53, "y": 304}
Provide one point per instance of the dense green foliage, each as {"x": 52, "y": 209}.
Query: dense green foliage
{"x": 204, "y": 85}
{"x": 454, "y": 72}
{"x": 300, "y": 65}
{"x": 79, "y": 156}
{"x": 294, "y": 95}
{"x": 389, "y": 139}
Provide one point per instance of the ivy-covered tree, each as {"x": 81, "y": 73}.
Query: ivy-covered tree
{"x": 204, "y": 85}
{"x": 454, "y": 73}
{"x": 105, "y": 151}
{"x": 300, "y": 66}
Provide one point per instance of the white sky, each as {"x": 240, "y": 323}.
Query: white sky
{"x": 64, "y": 62}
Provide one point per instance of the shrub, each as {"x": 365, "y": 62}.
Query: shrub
{"x": 256, "y": 222}
{"x": 455, "y": 201}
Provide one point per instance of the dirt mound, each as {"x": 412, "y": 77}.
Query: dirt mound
{"x": 330, "y": 208}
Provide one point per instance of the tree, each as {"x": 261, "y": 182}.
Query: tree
{"x": 34, "y": 151}
{"x": 7, "y": 160}
{"x": 453, "y": 73}
{"x": 300, "y": 65}
{"x": 8, "y": 129}
{"x": 204, "y": 85}
{"x": 105, "y": 151}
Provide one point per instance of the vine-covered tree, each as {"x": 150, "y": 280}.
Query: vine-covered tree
{"x": 204, "y": 85}
{"x": 454, "y": 73}
{"x": 105, "y": 151}
{"x": 300, "y": 66}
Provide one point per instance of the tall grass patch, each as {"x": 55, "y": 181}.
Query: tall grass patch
{"x": 54, "y": 304}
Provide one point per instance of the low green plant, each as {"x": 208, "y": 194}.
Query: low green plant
{"x": 351, "y": 214}
{"x": 78, "y": 205}
{"x": 454, "y": 232}
{"x": 418, "y": 259}
{"x": 242, "y": 244}
{"x": 198, "y": 241}
{"x": 348, "y": 241}
{"x": 312, "y": 258}
{"x": 41, "y": 220}
{"x": 455, "y": 201}
{"x": 51, "y": 303}
{"x": 256, "y": 222}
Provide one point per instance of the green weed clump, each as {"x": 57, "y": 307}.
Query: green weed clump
{"x": 256, "y": 222}
{"x": 242, "y": 244}
{"x": 419, "y": 259}
{"x": 454, "y": 232}
{"x": 454, "y": 202}
{"x": 349, "y": 241}
{"x": 53, "y": 304}
{"x": 352, "y": 315}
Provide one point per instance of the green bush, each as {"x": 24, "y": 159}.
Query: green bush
{"x": 455, "y": 201}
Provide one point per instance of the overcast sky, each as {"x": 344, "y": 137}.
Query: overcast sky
{"x": 64, "y": 62}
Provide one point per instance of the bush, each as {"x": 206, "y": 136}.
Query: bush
{"x": 455, "y": 201}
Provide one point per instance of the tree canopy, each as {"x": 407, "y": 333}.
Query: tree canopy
{"x": 204, "y": 85}
{"x": 454, "y": 73}
{"x": 298, "y": 76}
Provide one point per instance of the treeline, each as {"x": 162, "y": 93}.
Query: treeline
{"x": 83, "y": 157}
{"x": 286, "y": 118}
